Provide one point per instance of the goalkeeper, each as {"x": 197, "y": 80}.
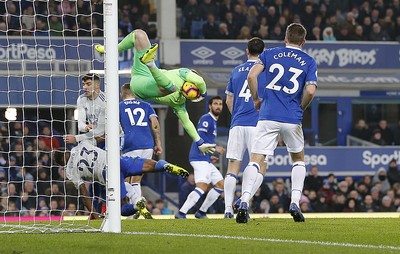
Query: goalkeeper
{"x": 162, "y": 86}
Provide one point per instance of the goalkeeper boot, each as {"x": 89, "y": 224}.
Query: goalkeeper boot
{"x": 99, "y": 48}
{"x": 180, "y": 215}
{"x": 150, "y": 54}
{"x": 176, "y": 170}
{"x": 141, "y": 207}
{"x": 296, "y": 213}
{"x": 243, "y": 214}
{"x": 200, "y": 215}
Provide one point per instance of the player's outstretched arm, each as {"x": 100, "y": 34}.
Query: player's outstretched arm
{"x": 87, "y": 201}
{"x": 155, "y": 130}
{"x": 309, "y": 93}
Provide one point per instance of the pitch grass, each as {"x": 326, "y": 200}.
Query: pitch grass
{"x": 221, "y": 236}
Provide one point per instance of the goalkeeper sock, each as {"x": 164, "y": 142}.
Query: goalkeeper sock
{"x": 127, "y": 43}
{"x": 160, "y": 165}
{"x": 127, "y": 210}
{"x": 161, "y": 79}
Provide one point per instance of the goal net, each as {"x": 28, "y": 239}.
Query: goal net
{"x": 46, "y": 47}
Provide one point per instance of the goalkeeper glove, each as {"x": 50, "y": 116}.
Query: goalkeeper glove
{"x": 205, "y": 147}
{"x": 99, "y": 48}
{"x": 201, "y": 97}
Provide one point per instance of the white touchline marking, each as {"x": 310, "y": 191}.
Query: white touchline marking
{"x": 366, "y": 246}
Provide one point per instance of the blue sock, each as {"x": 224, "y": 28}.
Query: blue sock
{"x": 160, "y": 165}
{"x": 127, "y": 210}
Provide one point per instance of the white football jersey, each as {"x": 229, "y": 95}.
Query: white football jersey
{"x": 92, "y": 112}
{"x": 86, "y": 163}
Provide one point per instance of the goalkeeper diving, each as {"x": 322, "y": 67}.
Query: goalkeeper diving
{"x": 162, "y": 86}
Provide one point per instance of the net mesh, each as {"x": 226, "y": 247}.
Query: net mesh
{"x": 45, "y": 49}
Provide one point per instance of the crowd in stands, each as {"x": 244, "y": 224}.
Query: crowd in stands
{"x": 325, "y": 20}
{"x": 72, "y": 18}
{"x": 30, "y": 184}
{"x": 381, "y": 134}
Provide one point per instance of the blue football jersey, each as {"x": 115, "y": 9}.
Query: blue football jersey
{"x": 287, "y": 71}
{"x": 134, "y": 117}
{"x": 243, "y": 112}
{"x": 207, "y": 129}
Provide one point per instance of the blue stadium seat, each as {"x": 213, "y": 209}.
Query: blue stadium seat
{"x": 196, "y": 30}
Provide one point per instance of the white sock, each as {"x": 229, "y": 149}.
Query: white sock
{"x": 229, "y": 192}
{"x": 138, "y": 190}
{"x": 130, "y": 193}
{"x": 212, "y": 196}
{"x": 257, "y": 183}
{"x": 191, "y": 200}
{"x": 249, "y": 179}
{"x": 298, "y": 175}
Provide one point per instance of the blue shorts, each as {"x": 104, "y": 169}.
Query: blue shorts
{"x": 129, "y": 166}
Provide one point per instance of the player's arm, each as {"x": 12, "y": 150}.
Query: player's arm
{"x": 82, "y": 126}
{"x": 155, "y": 130}
{"x": 87, "y": 200}
{"x": 229, "y": 102}
{"x": 252, "y": 80}
{"x": 191, "y": 130}
{"x": 308, "y": 95}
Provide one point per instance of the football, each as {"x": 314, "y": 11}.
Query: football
{"x": 190, "y": 91}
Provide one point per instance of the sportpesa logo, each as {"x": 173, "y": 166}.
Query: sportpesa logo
{"x": 203, "y": 53}
{"x": 232, "y": 53}
{"x": 23, "y": 51}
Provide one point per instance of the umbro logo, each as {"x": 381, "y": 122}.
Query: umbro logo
{"x": 232, "y": 53}
{"x": 203, "y": 52}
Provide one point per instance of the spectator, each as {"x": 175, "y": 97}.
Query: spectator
{"x": 351, "y": 206}
{"x": 386, "y": 132}
{"x": 359, "y": 34}
{"x": 208, "y": 7}
{"x": 327, "y": 34}
{"x": 272, "y": 17}
{"x": 315, "y": 34}
{"x": 191, "y": 11}
{"x": 160, "y": 206}
{"x": 343, "y": 188}
{"x": 368, "y": 205}
{"x": 327, "y": 191}
{"x": 338, "y": 202}
{"x": 224, "y": 7}
{"x": 321, "y": 206}
{"x": 244, "y": 33}
{"x": 313, "y": 182}
{"x": 387, "y": 205}
{"x": 50, "y": 141}
{"x": 210, "y": 28}
{"x": 224, "y": 32}
{"x": 55, "y": 26}
{"x": 377, "y": 138}
{"x": 381, "y": 177}
{"x": 393, "y": 173}
{"x": 377, "y": 34}
{"x": 277, "y": 34}
{"x": 252, "y": 16}
{"x": 274, "y": 205}
{"x": 125, "y": 25}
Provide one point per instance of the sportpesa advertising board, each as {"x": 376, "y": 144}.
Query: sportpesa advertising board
{"x": 341, "y": 161}
{"x": 223, "y": 54}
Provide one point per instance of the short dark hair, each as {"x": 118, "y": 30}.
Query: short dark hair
{"x": 91, "y": 76}
{"x": 296, "y": 33}
{"x": 255, "y": 46}
{"x": 126, "y": 90}
{"x": 214, "y": 98}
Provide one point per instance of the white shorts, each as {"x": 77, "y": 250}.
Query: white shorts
{"x": 240, "y": 139}
{"x": 206, "y": 172}
{"x": 142, "y": 153}
{"x": 267, "y": 135}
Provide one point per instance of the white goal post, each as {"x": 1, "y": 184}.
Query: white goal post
{"x": 41, "y": 66}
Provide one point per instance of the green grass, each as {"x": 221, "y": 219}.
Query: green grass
{"x": 221, "y": 236}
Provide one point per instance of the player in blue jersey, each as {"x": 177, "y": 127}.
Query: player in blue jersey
{"x": 291, "y": 82}
{"x": 141, "y": 134}
{"x": 86, "y": 162}
{"x": 244, "y": 121}
{"x": 205, "y": 173}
